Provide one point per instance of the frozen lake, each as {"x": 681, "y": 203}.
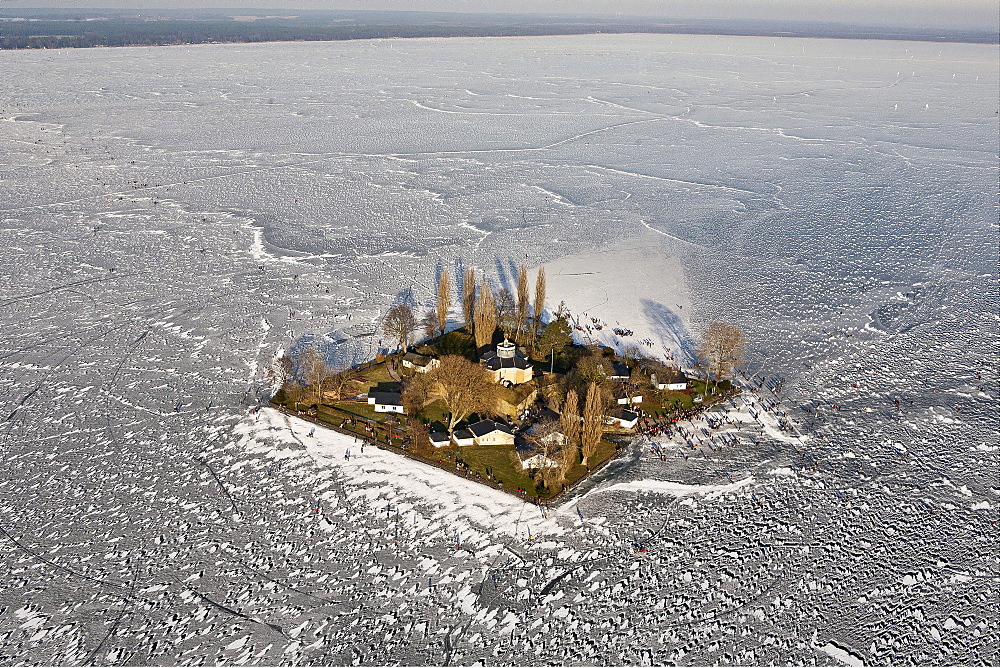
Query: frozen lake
{"x": 172, "y": 216}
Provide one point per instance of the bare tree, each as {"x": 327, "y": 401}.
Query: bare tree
{"x": 464, "y": 387}
{"x": 539, "y": 302}
{"x": 314, "y": 371}
{"x": 566, "y": 460}
{"x": 553, "y": 454}
{"x": 722, "y": 348}
{"x": 399, "y": 324}
{"x": 390, "y": 422}
{"x": 506, "y": 313}
{"x": 469, "y": 297}
{"x": 633, "y": 353}
{"x": 593, "y": 423}
{"x": 443, "y": 300}
{"x": 420, "y": 440}
{"x": 523, "y": 304}
{"x": 485, "y": 316}
{"x": 429, "y": 323}
{"x": 416, "y": 393}
{"x": 281, "y": 371}
{"x": 338, "y": 384}
{"x": 593, "y": 369}
{"x": 569, "y": 420}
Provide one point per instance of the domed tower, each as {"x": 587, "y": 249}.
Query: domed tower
{"x": 506, "y": 350}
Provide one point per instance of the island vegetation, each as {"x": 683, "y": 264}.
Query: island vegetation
{"x": 508, "y": 397}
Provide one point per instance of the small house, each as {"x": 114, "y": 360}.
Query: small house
{"x": 484, "y": 432}
{"x": 463, "y": 438}
{"x": 622, "y": 418}
{"x": 419, "y": 363}
{"x": 386, "y": 402}
{"x": 488, "y": 432}
{"x": 533, "y": 457}
{"x": 679, "y": 381}
{"x": 439, "y": 439}
{"x": 667, "y": 378}
{"x": 625, "y": 396}
{"x": 620, "y": 371}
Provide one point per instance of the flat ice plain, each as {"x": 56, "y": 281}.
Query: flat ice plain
{"x": 170, "y": 217}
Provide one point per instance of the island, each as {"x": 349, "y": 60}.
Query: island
{"x": 506, "y": 396}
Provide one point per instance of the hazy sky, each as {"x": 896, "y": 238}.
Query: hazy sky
{"x": 950, "y": 13}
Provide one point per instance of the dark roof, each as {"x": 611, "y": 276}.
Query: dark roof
{"x": 547, "y": 414}
{"x": 438, "y": 437}
{"x": 484, "y": 427}
{"x": 620, "y": 370}
{"x": 464, "y": 435}
{"x": 526, "y": 449}
{"x": 417, "y": 359}
{"x": 623, "y": 392}
{"x": 493, "y": 362}
{"x": 623, "y": 414}
{"x": 387, "y": 398}
{"x": 679, "y": 377}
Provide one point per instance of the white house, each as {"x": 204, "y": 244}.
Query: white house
{"x": 463, "y": 438}
{"x": 622, "y": 418}
{"x": 679, "y": 381}
{"x": 386, "y": 402}
{"x": 555, "y": 436}
{"x": 625, "y": 397}
{"x": 420, "y": 363}
{"x": 531, "y": 457}
{"x": 672, "y": 380}
{"x": 439, "y": 440}
{"x": 484, "y": 432}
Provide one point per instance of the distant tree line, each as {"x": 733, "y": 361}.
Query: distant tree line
{"x": 52, "y": 29}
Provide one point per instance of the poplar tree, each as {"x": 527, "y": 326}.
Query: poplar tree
{"x": 523, "y": 304}
{"x": 469, "y": 297}
{"x": 569, "y": 420}
{"x": 593, "y": 423}
{"x": 485, "y": 316}
{"x": 444, "y": 300}
{"x": 506, "y": 312}
{"x": 539, "y": 301}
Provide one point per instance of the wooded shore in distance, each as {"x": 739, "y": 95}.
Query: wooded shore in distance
{"x": 62, "y": 28}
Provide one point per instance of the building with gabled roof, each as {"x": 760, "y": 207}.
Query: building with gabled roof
{"x": 622, "y": 418}
{"x": 484, "y": 432}
{"x": 625, "y": 396}
{"x": 439, "y": 439}
{"x": 531, "y": 456}
{"x": 386, "y": 402}
{"x": 619, "y": 371}
{"x": 419, "y": 363}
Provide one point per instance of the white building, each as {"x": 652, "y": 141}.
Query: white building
{"x": 386, "y": 402}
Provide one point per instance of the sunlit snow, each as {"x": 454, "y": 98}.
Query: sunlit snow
{"x": 172, "y": 216}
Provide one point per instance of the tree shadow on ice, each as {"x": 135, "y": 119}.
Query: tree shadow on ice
{"x": 671, "y": 331}
{"x": 502, "y": 276}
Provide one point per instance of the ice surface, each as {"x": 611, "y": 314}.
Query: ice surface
{"x": 170, "y": 217}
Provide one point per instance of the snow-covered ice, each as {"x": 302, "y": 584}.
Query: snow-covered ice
{"x": 169, "y": 217}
